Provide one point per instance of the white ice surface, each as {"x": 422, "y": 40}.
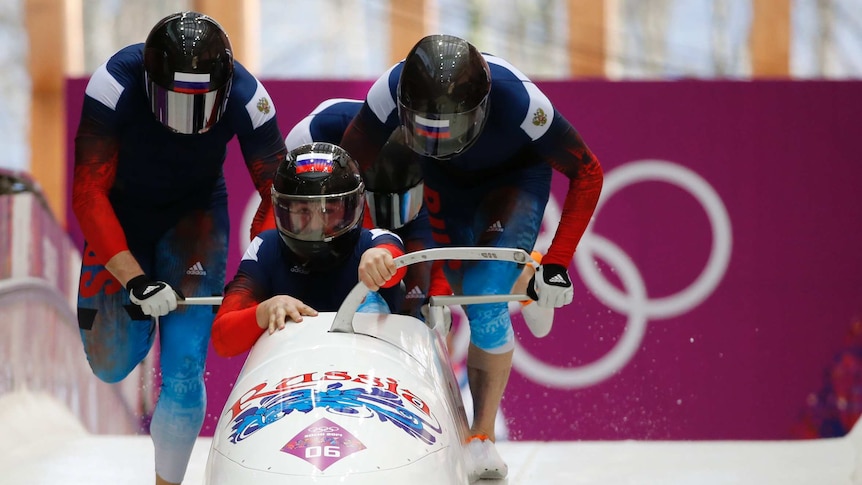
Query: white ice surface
{"x": 43, "y": 444}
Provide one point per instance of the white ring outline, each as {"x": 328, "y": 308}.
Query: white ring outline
{"x": 628, "y": 344}
{"x": 716, "y": 266}
{"x": 637, "y": 306}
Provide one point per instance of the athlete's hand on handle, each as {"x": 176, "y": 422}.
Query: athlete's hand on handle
{"x": 376, "y": 268}
{"x": 551, "y": 286}
{"x": 156, "y": 298}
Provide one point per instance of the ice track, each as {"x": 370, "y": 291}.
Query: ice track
{"x": 44, "y": 444}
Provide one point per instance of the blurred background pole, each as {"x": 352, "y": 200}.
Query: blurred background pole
{"x": 241, "y": 20}
{"x": 49, "y": 38}
{"x": 770, "y": 39}
{"x": 587, "y": 38}
{"x": 406, "y": 27}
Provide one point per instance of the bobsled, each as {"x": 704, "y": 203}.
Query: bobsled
{"x": 351, "y": 398}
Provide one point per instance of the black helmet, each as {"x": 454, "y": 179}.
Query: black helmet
{"x": 318, "y": 199}
{"x": 394, "y": 184}
{"x": 443, "y": 95}
{"x": 188, "y": 64}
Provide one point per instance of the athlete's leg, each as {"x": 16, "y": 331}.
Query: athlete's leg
{"x": 180, "y": 410}
{"x": 505, "y": 212}
{"x": 489, "y": 356}
{"x": 114, "y": 343}
{"x": 190, "y": 257}
{"x": 510, "y": 217}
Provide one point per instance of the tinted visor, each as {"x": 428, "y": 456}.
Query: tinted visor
{"x": 317, "y": 217}
{"x": 189, "y": 108}
{"x": 441, "y": 136}
{"x": 392, "y": 211}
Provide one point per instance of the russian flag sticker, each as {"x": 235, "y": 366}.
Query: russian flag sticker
{"x": 189, "y": 83}
{"x": 314, "y": 162}
{"x": 432, "y": 128}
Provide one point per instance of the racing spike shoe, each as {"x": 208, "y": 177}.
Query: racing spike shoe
{"x": 483, "y": 461}
{"x": 538, "y": 319}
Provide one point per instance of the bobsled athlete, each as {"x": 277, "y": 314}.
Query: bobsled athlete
{"x": 150, "y": 197}
{"x": 394, "y": 189}
{"x": 316, "y": 255}
{"x": 394, "y": 199}
{"x": 488, "y": 141}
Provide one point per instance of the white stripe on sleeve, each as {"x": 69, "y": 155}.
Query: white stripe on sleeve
{"x": 104, "y": 88}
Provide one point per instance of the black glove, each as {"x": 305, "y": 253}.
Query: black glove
{"x": 551, "y": 286}
{"x": 156, "y": 298}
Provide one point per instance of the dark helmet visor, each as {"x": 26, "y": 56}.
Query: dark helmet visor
{"x": 317, "y": 217}
{"x": 188, "y": 108}
{"x": 443, "y": 135}
{"x": 392, "y": 211}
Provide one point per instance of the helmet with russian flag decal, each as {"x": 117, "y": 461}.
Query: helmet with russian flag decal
{"x": 188, "y": 65}
{"x": 443, "y": 96}
{"x": 318, "y": 199}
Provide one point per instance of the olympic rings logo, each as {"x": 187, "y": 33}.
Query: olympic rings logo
{"x": 323, "y": 429}
{"x": 634, "y": 302}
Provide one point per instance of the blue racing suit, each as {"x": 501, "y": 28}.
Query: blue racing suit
{"x": 494, "y": 193}
{"x": 161, "y": 195}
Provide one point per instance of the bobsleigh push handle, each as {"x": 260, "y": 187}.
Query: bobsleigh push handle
{"x": 344, "y": 318}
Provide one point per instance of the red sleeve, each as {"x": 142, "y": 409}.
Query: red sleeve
{"x": 235, "y": 328}
{"x": 263, "y": 152}
{"x": 266, "y": 224}
{"x": 95, "y": 169}
{"x": 581, "y": 200}
{"x": 566, "y": 151}
{"x": 396, "y": 251}
{"x": 367, "y": 223}
{"x": 364, "y": 137}
{"x": 439, "y": 284}
{"x": 235, "y": 332}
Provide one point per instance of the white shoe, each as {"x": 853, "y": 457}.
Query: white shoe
{"x": 483, "y": 461}
{"x": 539, "y": 320}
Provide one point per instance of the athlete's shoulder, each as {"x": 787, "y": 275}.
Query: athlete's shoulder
{"x": 249, "y": 100}
{"x": 243, "y": 84}
{"x": 338, "y": 107}
{"x": 383, "y": 94}
{"x": 378, "y": 236}
{"x": 127, "y": 64}
{"x": 326, "y": 122}
{"x": 517, "y": 100}
{"x": 264, "y": 249}
{"x": 122, "y": 71}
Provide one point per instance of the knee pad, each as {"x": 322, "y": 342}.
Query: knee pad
{"x": 491, "y": 327}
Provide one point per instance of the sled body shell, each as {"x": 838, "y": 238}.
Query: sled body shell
{"x": 379, "y": 405}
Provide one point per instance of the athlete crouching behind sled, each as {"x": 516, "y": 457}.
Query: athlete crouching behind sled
{"x": 150, "y": 196}
{"x": 317, "y": 254}
{"x": 488, "y": 141}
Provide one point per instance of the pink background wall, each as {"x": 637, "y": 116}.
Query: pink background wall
{"x": 721, "y": 272}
